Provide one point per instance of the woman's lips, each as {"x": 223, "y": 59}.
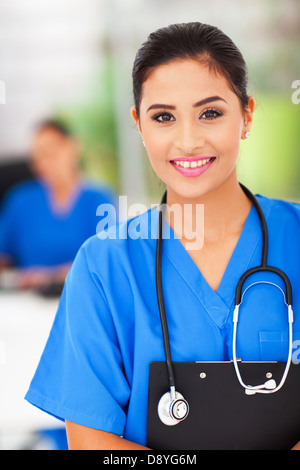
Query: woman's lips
{"x": 192, "y": 166}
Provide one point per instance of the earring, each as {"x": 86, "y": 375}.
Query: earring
{"x": 144, "y": 144}
{"x": 247, "y": 134}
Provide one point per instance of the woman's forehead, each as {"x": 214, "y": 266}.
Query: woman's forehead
{"x": 181, "y": 80}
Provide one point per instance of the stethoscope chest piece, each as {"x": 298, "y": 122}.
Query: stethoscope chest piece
{"x": 172, "y": 411}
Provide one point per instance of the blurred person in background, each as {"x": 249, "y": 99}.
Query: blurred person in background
{"x": 44, "y": 222}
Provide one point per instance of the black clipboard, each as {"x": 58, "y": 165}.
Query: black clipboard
{"x": 221, "y": 415}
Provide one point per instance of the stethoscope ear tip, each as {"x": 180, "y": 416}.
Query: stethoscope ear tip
{"x": 269, "y": 385}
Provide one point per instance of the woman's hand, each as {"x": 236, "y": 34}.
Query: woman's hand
{"x": 36, "y": 277}
{"x": 297, "y": 446}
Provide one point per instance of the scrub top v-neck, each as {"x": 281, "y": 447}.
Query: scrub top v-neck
{"x": 217, "y": 303}
{"x": 94, "y": 369}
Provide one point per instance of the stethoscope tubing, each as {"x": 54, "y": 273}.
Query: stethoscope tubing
{"x": 238, "y": 297}
{"x": 160, "y": 299}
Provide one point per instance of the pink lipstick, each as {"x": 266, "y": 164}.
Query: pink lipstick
{"x": 192, "y": 166}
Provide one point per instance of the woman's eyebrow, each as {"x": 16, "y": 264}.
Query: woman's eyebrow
{"x": 210, "y": 99}
{"x": 159, "y": 106}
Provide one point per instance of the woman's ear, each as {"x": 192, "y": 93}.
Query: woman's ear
{"x": 135, "y": 118}
{"x": 248, "y": 116}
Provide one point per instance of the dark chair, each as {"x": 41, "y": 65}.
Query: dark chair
{"x": 12, "y": 173}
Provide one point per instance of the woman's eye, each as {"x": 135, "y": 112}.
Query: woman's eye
{"x": 163, "y": 117}
{"x": 211, "y": 114}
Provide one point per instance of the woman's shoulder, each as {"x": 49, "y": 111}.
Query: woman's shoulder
{"x": 102, "y": 192}
{"x": 22, "y": 192}
{"x": 280, "y": 209}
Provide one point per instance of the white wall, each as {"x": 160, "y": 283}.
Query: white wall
{"x": 49, "y": 50}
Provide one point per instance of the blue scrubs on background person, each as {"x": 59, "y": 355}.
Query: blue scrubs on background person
{"x": 94, "y": 369}
{"x": 33, "y": 232}
{"x": 43, "y": 222}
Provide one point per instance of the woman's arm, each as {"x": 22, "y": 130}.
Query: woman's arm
{"x": 6, "y": 262}
{"x": 35, "y": 277}
{"x": 84, "y": 438}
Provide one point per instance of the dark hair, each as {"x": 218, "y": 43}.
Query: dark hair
{"x": 193, "y": 40}
{"x": 54, "y": 124}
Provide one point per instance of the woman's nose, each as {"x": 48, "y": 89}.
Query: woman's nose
{"x": 189, "y": 138}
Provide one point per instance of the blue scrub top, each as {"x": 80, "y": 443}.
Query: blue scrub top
{"x": 94, "y": 369}
{"x": 35, "y": 233}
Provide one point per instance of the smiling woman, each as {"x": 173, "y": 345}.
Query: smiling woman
{"x": 190, "y": 131}
{"x": 192, "y": 109}
{"x": 188, "y": 137}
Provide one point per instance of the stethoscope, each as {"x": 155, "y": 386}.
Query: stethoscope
{"x": 172, "y": 407}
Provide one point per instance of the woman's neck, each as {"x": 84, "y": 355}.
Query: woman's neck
{"x": 63, "y": 190}
{"x": 213, "y": 216}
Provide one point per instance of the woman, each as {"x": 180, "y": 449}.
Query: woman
{"x": 43, "y": 222}
{"x": 192, "y": 110}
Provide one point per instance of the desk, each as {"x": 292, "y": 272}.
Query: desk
{"x": 25, "y": 321}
